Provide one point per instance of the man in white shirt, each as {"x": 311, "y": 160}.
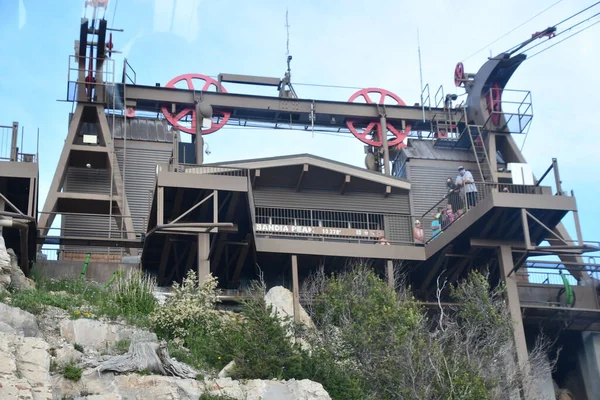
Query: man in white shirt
{"x": 467, "y": 184}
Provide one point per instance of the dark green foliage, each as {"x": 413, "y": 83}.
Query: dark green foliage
{"x": 72, "y": 372}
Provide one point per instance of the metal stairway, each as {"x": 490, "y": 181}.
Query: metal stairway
{"x": 476, "y": 134}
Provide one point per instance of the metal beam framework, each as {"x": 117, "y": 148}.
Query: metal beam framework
{"x": 328, "y": 114}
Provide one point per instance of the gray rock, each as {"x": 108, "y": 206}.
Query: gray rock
{"x": 21, "y": 321}
{"x": 18, "y": 280}
{"x": 282, "y": 301}
{"x": 99, "y": 335}
{"x": 5, "y": 328}
{"x": 108, "y": 386}
{"x": 226, "y": 371}
{"x": 4, "y": 265}
{"x": 24, "y": 365}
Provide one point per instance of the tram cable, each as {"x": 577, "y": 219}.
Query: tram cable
{"x": 562, "y": 32}
{"x": 560, "y": 41}
{"x": 512, "y": 30}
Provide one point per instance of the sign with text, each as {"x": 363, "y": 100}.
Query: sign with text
{"x": 317, "y": 230}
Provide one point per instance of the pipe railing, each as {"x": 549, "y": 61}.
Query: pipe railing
{"x": 462, "y": 202}
{"x": 327, "y": 225}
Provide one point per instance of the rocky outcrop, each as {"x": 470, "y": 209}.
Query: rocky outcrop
{"x": 99, "y": 335}
{"x": 20, "y": 321}
{"x": 95, "y": 386}
{"x": 18, "y": 280}
{"x": 4, "y": 265}
{"x": 24, "y": 368}
{"x": 282, "y": 301}
{"x": 10, "y": 274}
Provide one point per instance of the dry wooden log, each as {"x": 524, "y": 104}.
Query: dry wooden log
{"x": 148, "y": 356}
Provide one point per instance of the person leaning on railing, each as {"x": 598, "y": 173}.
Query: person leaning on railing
{"x": 453, "y": 194}
{"x": 465, "y": 180}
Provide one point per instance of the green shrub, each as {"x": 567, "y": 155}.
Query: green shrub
{"x": 72, "y": 372}
{"x": 133, "y": 294}
{"x": 78, "y": 347}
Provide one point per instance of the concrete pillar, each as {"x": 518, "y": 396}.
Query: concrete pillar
{"x": 505, "y": 259}
{"x": 295, "y": 288}
{"x": 203, "y": 260}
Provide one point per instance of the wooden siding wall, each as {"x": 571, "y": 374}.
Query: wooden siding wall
{"x": 396, "y": 203}
{"x": 397, "y": 228}
{"x": 428, "y": 181}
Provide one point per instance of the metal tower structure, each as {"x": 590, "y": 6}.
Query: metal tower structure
{"x": 89, "y": 145}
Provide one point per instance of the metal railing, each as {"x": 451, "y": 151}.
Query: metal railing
{"x": 514, "y": 113}
{"x": 112, "y": 255}
{"x": 326, "y": 225}
{"x": 73, "y": 75}
{"x": 210, "y": 170}
{"x": 74, "y": 225}
{"x": 462, "y": 202}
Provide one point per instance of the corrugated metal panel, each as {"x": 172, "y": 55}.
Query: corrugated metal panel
{"x": 83, "y": 180}
{"x": 86, "y": 180}
{"x": 428, "y": 183}
{"x": 425, "y": 149}
{"x": 140, "y": 178}
{"x": 144, "y": 129}
{"x": 329, "y": 200}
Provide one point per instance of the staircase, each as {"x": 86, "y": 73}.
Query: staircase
{"x": 476, "y": 133}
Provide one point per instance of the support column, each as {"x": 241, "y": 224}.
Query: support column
{"x": 295, "y": 288}
{"x": 203, "y": 260}
{"x": 390, "y": 273}
{"x": 557, "y": 180}
{"x": 491, "y": 150}
{"x": 14, "y": 151}
{"x": 505, "y": 258}
{"x": 384, "y": 143}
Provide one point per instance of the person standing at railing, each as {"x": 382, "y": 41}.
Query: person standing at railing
{"x": 418, "y": 233}
{"x": 453, "y": 194}
{"x": 465, "y": 181}
{"x": 436, "y": 226}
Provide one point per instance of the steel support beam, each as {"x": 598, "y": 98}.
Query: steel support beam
{"x": 384, "y": 141}
{"x": 345, "y": 183}
{"x": 505, "y": 257}
{"x": 301, "y": 177}
{"x": 525, "y": 228}
{"x": 147, "y": 98}
{"x": 295, "y": 288}
{"x": 203, "y": 260}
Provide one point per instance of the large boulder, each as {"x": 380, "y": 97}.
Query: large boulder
{"x": 99, "y": 335}
{"x": 282, "y": 301}
{"x": 24, "y": 368}
{"x": 22, "y": 322}
{"x": 18, "y": 280}
{"x": 4, "y": 265}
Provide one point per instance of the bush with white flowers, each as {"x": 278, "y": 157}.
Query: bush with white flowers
{"x": 190, "y": 307}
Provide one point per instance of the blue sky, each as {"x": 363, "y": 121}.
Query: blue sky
{"x": 335, "y": 42}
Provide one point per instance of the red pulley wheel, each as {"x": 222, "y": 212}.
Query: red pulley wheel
{"x": 176, "y": 119}
{"x": 459, "y": 74}
{"x": 372, "y": 134}
{"x": 494, "y": 103}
